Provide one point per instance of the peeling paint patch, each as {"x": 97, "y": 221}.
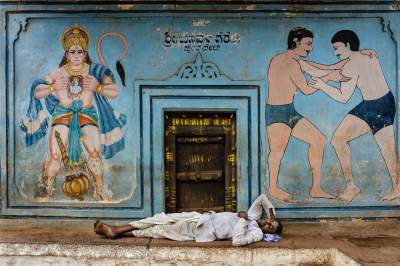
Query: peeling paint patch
{"x": 200, "y": 22}
{"x": 116, "y": 169}
{"x": 125, "y": 7}
{"x": 357, "y": 221}
{"x": 251, "y": 7}
{"x": 290, "y": 14}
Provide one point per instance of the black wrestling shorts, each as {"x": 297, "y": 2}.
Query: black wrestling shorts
{"x": 377, "y": 113}
{"x": 284, "y": 113}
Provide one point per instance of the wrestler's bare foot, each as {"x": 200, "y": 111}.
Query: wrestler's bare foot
{"x": 280, "y": 194}
{"x": 318, "y": 192}
{"x": 107, "y": 230}
{"x": 395, "y": 193}
{"x": 351, "y": 191}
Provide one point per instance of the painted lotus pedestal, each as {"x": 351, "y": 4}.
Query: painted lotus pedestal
{"x": 121, "y": 114}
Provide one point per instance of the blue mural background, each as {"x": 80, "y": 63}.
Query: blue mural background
{"x": 37, "y": 50}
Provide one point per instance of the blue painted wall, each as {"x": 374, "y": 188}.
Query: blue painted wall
{"x": 30, "y": 47}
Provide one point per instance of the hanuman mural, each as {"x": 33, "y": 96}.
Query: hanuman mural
{"x": 83, "y": 126}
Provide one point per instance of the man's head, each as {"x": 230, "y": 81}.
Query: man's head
{"x": 270, "y": 226}
{"x": 344, "y": 43}
{"x": 300, "y": 40}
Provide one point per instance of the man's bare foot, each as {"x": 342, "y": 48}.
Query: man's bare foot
{"x": 395, "y": 193}
{"x": 318, "y": 192}
{"x": 106, "y": 230}
{"x": 96, "y": 227}
{"x": 280, "y": 194}
{"x": 350, "y": 193}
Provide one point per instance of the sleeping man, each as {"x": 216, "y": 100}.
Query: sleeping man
{"x": 243, "y": 227}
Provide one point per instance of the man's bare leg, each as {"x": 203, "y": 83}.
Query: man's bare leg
{"x": 278, "y": 138}
{"x": 350, "y": 128}
{"x": 307, "y": 132}
{"x": 52, "y": 166}
{"x": 91, "y": 142}
{"x": 385, "y": 140}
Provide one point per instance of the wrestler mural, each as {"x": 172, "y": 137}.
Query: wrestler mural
{"x": 356, "y": 68}
{"x": 83, "y": 128}
{"x": 285, "y": 77}
{"x": 374, "y": 114}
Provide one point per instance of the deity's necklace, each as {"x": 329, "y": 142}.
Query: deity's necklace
{"x": 75, "y": 73}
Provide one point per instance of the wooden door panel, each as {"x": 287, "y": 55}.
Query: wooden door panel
{"x": 200, "y": 172}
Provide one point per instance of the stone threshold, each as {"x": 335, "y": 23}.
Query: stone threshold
{"x": 73, "y": 242}
{"x": 114, "y": 254}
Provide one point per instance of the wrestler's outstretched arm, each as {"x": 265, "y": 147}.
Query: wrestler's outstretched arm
{"x": 344, "y": 93}
{"x": 338, "y": 65}
{"x": 326, "y": 75}
{"x": 297, "y": 77}
{"x": 313, "y": 70}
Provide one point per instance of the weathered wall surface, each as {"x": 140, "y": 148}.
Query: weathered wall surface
{"x": 187, "y": 57}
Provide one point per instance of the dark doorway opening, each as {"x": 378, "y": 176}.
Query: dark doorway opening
{"x": 200, "y": 161}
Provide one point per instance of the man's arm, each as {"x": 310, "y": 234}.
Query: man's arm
{"x": 246, "y": 232}
{"x": 337, "y": 65}
{"x": 312, "y": 70}
{"x": 259, "y": 205}
{"x": 297, "y": 77}
{"x": 341, "y": 95}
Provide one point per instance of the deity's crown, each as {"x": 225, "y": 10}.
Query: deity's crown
{"x": 75, "y": 35}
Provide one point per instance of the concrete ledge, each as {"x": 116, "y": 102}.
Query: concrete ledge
{"x": 73, "y": 242}
{"x": 80, "y": 254}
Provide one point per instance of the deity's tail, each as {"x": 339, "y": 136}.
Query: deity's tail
{"x": 120, "y": 68}
{"x": 121, "y": 71}
{"x": 64, "y": 154}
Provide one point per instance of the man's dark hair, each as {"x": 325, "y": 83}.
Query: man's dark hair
{"x": 279, "y": 228}
{"x": 347, "y": 37}
{"x": 297, "y": 33}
